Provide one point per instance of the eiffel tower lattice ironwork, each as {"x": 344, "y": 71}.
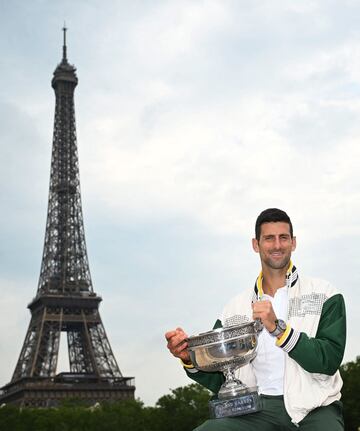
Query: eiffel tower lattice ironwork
{"x": 65, "y": 301}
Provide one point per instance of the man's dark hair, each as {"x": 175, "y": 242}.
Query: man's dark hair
{"x": 272, "y": 215}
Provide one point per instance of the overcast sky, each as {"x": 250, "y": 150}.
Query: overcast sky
{"x": 192, "y": 117}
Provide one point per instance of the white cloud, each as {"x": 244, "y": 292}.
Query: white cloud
{"x": 175, "y": 29}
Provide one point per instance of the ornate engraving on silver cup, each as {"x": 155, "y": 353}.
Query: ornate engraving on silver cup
{"x": 226, "y": 349}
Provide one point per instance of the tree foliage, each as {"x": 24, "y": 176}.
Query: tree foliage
{"x": 184, "y": 409}
{"x": 350, "y": 373}
{"x": 181, "y": 410}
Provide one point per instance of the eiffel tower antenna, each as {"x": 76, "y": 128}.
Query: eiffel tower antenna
{"x": 65, "y": 300}
{"x": 64, "y": 44}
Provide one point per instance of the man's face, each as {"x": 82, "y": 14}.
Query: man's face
{"x": 275, "y": 245}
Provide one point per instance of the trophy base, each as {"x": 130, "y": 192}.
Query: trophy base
{"x": 235, "y": 406}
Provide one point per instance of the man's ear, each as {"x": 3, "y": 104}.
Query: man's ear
{"x": 255, "y": 245}
{"x": 293, "y": 243}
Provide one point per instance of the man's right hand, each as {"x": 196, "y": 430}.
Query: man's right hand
{"x": 177, "y": 344}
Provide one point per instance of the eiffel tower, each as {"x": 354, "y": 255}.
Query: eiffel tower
{"x": 65, "y": 301}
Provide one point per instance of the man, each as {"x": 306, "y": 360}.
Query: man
{"x": 299, "y": 350}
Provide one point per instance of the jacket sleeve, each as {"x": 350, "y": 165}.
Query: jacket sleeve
{"x": 324, "y": 352}
{"x": 211, "y": 381}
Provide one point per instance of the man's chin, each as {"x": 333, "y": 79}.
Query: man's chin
{"x": 278, "y": 265}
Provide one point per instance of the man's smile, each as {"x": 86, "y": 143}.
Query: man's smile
{"x": 276, "y": 253}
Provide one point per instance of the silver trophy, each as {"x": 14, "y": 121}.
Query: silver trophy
{"x": 226, "y": 349}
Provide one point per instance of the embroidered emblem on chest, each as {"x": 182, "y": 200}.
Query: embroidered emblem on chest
{"x": 236, "y": 320}
{"x": 306, "y": 304}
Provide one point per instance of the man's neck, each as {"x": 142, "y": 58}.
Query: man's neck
{"x": 273, "y": 279}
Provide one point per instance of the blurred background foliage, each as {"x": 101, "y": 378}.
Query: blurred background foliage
{"x": 182, "y": 410}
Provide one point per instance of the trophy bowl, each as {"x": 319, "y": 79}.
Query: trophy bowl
{"x": 226, "y": 349}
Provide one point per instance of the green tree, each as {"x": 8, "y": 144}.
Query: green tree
{"x": 182, "y": 410}
{"x": 121, "y": 416}
{"x": 350, "y": 373}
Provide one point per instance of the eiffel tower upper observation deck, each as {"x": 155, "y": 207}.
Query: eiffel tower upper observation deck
{"x": 65, "y": 301}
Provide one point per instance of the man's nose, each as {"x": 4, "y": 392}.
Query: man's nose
{"x": 277, "y": 242}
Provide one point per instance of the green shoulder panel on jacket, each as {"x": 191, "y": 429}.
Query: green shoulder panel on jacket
{"x": 211, "y": 381}
{"x": 324, "y": 353}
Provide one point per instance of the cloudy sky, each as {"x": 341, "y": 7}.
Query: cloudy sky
{"x": 192, "y": 117}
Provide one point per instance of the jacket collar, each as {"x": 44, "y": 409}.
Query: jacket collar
{"x": 291, "y": 279}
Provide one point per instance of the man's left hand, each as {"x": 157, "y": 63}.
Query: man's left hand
{"x": 264, "y": 311}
